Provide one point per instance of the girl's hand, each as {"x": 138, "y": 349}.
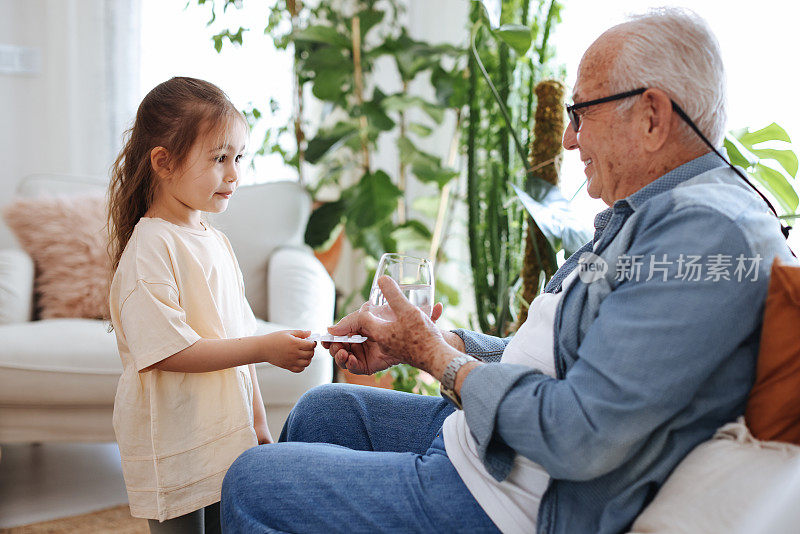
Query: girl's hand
{"x": 262, "y": 432}
{"x": 289, "y": 349}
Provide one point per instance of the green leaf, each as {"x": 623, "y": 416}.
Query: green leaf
{"x": 516, "y": 36}
{"x": 557, "y": 220}
{"x": 401, "y": 102}
{"x": 326, "y": 139}
{"x": 433, "y": 173}
{"x": 419, "y": 129}
{"x": 426, "y": 205}
{"x": 374, "y": 240}
{"x": 411, "y": 155}
{"x": 410, "y": 56}
{"x": 412, "y": 235}
{"x": 785, "y": 158}
{"x": 322, "y": 223}
{"x": 374, "y": 199}
{"x": 325, "y": 61}
{"x": 773, "y": 132}
{"x": 234, "y": 38}
{"x": 321, "y": 34}
{"x": 368, "y": 19}
{"x": 375, "y": 113}
{"x": 446, "y": 292}
{"x": 735, "y": 155}
{"x": 451, "y": 87}
{"x": 434, "y": 111}
{"x": 777, "y": 185}
{"x": 329, "y": 88}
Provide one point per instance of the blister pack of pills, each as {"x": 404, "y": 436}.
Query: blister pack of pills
{"x": 337, "y": 339}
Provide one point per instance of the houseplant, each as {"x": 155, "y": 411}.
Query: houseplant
{"x": 335, "y": 49}
{"x": 507, "y": 58}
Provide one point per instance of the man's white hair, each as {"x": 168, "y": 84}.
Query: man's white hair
{"x": 674, "y": 49}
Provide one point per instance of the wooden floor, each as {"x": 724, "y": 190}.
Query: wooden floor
{"x": 42, "y": 482}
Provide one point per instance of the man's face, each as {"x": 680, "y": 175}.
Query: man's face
{"x": 605, "y": 139}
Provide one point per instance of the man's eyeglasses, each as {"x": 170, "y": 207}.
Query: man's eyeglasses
{"x": 575, "y": 119}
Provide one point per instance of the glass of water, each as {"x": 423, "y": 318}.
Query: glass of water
{"x": 413, "y": 275}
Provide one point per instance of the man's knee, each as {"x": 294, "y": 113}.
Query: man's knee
{"x": 240, "y": 473}
{"x": 320, "y": 411}
{"x": 320, "y": 397}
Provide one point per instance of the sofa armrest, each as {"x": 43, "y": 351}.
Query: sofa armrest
{"x": 300, "y": 293}
{"x": 16, "y": 286}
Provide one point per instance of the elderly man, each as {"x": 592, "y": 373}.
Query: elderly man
{"x": 643, "y": 344}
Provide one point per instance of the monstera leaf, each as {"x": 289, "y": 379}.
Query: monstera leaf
{"x": 746, "y": 149}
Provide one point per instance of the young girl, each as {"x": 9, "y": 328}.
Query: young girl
{"x": 188, "y": 402}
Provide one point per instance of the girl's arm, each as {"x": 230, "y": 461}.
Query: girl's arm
{"x": 286, "y": 348}
{"x": 259, "y": 412}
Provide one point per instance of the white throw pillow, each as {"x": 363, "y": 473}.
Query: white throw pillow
{"x": 720, "y": 485}
{"x": 16, "y": 286}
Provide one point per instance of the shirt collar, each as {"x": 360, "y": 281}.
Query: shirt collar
{"x": 664, "y": 183}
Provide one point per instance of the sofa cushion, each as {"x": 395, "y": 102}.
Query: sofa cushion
{"x": 75, "y": 362}
{"x": 719, "y": 485}
{"x": 67, "y": 240}
{"x": 16, "y": 286}
{"x": 773, "y": 409}
{"x": 58, "y": 361}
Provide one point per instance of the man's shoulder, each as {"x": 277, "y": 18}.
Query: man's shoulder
{"x": 719, "y": 201}
{"x": 720, "y": 190}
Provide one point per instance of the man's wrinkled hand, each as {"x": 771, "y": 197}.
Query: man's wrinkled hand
{"x": 408, "y": 339}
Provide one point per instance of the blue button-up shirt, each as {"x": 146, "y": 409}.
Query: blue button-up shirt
{"x": 652, "y": 354}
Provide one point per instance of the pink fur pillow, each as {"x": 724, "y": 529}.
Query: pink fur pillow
{"x": 66, "y": 237}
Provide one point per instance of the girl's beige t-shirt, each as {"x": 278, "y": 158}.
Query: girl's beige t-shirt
{"x": 178, "y": 432}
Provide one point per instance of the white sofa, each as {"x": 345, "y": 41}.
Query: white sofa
{"x": 58, "y": 376}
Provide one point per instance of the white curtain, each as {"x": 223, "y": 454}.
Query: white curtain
{"x": 91, "y": 72}
{"x": 68, "y": 117}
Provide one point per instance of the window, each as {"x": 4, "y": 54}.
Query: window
{"x": 175, "y": 41}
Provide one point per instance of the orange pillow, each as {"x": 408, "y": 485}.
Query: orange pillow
{"x": 773, "y": 409}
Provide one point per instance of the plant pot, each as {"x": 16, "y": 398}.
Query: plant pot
{"x": 330, "y": 258}
{"x": 365, "y": 380}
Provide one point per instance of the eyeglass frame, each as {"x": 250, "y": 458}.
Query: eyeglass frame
{"x": 575, "y": 123}
{"x": 574, "y": 118}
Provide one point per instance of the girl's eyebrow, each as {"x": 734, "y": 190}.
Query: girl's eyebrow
{"x": 228, "y": 147}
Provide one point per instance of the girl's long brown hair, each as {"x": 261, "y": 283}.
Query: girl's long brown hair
{"x": 172, "y": 115}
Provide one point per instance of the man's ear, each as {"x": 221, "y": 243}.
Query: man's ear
{"x": 160, "y": 160}
{"x": 657, "y": 119}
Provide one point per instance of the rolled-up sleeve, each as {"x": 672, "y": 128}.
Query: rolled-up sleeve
{"x": 650, "y": 349}
{"x": 483, "y": 346}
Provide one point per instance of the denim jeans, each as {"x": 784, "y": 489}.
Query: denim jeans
{"x": 353, "y": 459}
